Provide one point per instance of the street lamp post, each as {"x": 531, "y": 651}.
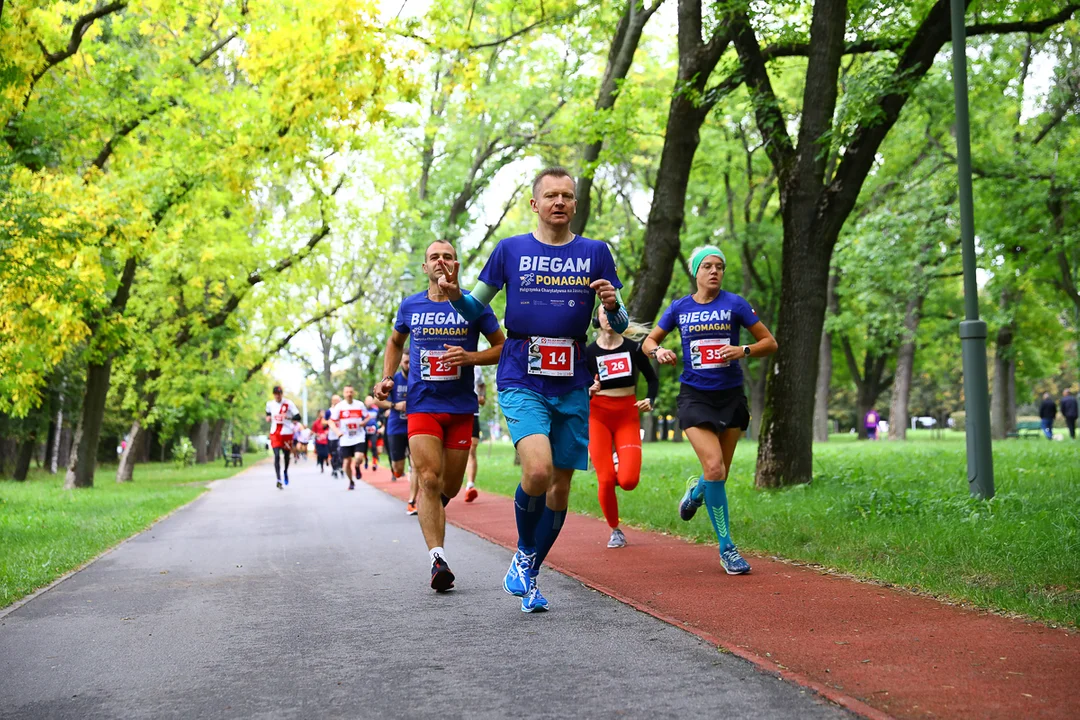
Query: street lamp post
{"x": 980, "y": 460}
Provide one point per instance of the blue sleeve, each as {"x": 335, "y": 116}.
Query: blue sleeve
{"x": 469, "y": 307}
{"x": 747, "y": 317}
{"x": 667, "y": 320}
{"x": 399, "y": 321}
{"x": 494, "y": 272}
{"x": 607, "y": 266}
{"x": 488, "y": 322}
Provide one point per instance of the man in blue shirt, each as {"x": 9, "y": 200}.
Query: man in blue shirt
{"x": 441, "y": 401}
{"x": 552, "y": 280}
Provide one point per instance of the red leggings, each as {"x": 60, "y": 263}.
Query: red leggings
{"x": 614, "y": 422}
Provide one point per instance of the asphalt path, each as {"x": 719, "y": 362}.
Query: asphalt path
{"x": 313, "y": 602}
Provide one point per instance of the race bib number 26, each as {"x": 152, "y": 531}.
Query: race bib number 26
{"x": 705, "y": 354}
{"x": 613, "y": 367}
{"x": 552, "y": 357}
{"x": 434, "y": 369}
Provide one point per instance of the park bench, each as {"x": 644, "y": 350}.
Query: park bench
{"x": 1027, "y": 428}
{"x": 234, "y": 457}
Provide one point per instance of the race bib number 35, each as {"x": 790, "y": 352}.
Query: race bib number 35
{"x": 613, "y": 367}
{"x": 434, "y": 369}
{"x": 705, "y": 354}
{"x": 553, "y": 357}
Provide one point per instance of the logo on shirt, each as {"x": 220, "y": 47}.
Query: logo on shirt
{"x": 528, "y": 278}
{"x": 543, "y": 263}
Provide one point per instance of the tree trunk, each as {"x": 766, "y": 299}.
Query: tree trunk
{"x": 1010, "y": 407}
{"x": 667, "y": 213}
{"x": 999, "y": 395}
{"x": 648, "y": 425}
{"x": 821, "y": 390}
{"x": 785, "y": 450}
{"x": 137, "y": 437}
{"x": 83, "y": 460}
{"x": 200, "y": 436}
{"x": 905, "y": 367}
{"x": 214, "y": 451}
{"x": 757, "y": 396}
{"x": 23, "y": 457}
{"x": 620, "y": 57}
{"x": 58, "y": 438}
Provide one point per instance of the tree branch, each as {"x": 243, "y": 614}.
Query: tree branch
{"x": 82, "y": 24}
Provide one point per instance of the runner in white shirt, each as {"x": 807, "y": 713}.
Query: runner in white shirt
{"x": 348, "y": 418}
{"x": 334, "y": 439}
{"x": 281, "y": 414}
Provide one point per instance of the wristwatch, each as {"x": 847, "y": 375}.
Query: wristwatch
{"x": 746, "y": 350}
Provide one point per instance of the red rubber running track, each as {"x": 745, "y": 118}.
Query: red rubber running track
{"x": 879, "y": 652}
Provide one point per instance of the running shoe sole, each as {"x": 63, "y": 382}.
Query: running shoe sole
{"x": 470, "y": 495}
{"x": 442, "y": 579}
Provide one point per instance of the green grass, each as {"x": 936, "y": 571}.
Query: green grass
{"x": 45, "y": 531}
{"x": 894, "y": 512}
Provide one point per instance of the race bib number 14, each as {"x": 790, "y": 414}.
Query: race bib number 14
{"x": 434, "y": 369}
{"x": 705, "y": 354}
{"x": 552, "y": 357}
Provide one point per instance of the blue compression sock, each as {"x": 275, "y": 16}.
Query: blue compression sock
{"x": 716, "y": 503}
{"x": 698, "y": 493}
{"x": 528, "y": 509}
{"x": 551, "y": 522}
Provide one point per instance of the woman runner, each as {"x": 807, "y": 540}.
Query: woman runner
{"x": 615, "y": 361}
{"x": 712, "y": 405}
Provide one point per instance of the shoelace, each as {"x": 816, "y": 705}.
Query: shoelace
{"x": 732, "y": 556}
{"x": 524, "y": 564}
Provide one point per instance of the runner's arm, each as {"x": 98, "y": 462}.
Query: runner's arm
{"x": 491, "y": 355}
{"x": 471, "y": 305}
{"x": 646, "y": 368}
{"x": 395, "y": 346}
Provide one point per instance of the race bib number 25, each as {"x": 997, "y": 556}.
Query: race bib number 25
{"x": 434, "y": 369}
{"x": 553, "y": 357}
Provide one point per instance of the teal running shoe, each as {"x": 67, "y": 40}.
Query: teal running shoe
{"x": 517, "y": 580}
{"x": 693, "y": 498}
{"x": 733, "y": 562}
{"x": 533, "y": 601}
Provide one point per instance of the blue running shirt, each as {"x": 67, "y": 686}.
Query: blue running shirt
{"x": 705, "y": 329}
{"x": 548, "y": 299}
{"x": 397, "y": 422}
{"x": 435, "y": 387}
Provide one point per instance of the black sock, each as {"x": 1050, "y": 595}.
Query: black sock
{"x": 287, "y": 463}
{"x": 445, "y": 501}
{"x": 277, "y": 463}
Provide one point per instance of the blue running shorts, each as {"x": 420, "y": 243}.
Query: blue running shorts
{"x": 564, "y": 419}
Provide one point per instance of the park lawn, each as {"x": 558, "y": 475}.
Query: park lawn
{"x": 45, "y": 531}
{"x": 893, "y": 512}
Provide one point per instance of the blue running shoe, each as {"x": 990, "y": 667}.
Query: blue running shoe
{"x": 692, "y": 499}
{"x": 286, "y": 478}
{"x": 533, "y": 601}
{"x": 517, "y": 581}
{"x": 733, "y": 562}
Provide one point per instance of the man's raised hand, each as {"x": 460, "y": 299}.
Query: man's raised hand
{"x": 606, "y": 292}
{"x": 448, "y": 281}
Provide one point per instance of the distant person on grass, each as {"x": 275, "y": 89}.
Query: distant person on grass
{"x": 1047, "y": 412}
{"x": 615, "y": 360}
{"x": 281, "y": 414}
{"x": 1068, "y": 411}
{"x": 870, "y": 422}
{"x": 712, "y": 405}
